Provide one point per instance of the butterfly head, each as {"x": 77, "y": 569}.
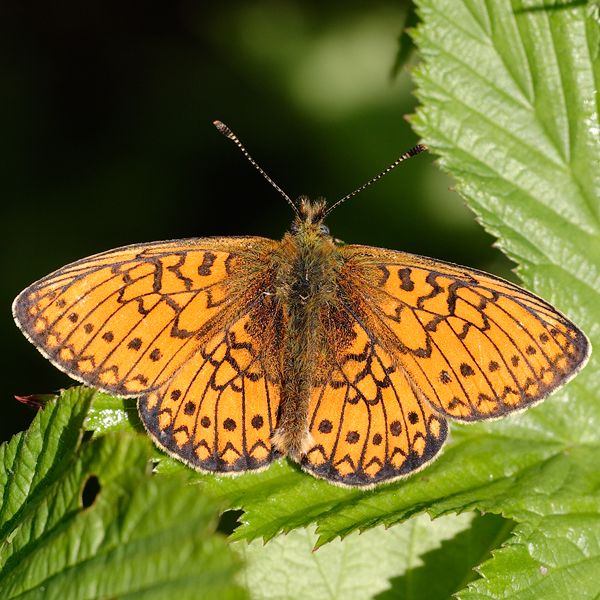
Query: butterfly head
{"x": 309, "y": 218}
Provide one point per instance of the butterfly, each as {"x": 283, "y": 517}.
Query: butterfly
{"x": 348, "y": 359}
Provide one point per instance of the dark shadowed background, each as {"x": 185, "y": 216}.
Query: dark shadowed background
{"x": 106, "y": 113}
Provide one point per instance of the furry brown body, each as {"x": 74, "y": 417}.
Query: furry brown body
{"x": 306, "y": 291}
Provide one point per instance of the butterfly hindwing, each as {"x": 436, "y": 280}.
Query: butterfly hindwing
{"x": 219, "y": 411}
{"x": 367, "y": 421}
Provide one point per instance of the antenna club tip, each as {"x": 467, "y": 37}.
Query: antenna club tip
{"x": 224, "y": 129}
{"x": 417, "y": 149}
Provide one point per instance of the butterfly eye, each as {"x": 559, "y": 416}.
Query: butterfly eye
{"x": 294, "y": 227}
{"x": 324, "y": 229}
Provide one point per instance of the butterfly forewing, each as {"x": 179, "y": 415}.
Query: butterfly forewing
{"x": 476, "y": 346}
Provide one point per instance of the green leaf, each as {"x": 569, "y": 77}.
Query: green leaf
{"x": 89, "y": 520}
{"x": 32, "y": 456}
{"x": 510, "y": 104}
{"x": 559, "y": 558}
{"x": 109, "y": 414}
{"x": 440, "y": 572}
{"x": 476, "y": 469}
{"x": 420, "y": 559}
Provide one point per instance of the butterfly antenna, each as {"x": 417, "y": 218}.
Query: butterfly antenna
{"x": 228, "y": 133}
{"x": 412, "y": 152}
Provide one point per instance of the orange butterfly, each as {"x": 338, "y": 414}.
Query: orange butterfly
{"x": 346, "y": 358}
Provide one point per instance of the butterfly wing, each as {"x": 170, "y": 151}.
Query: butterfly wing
{"x": 219, "y": 411}
{"x": 427, "y": 340}
{"x": 477, "y": 347}
{"x": 368, "y": 422}
{"x": 180, "y": 324}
